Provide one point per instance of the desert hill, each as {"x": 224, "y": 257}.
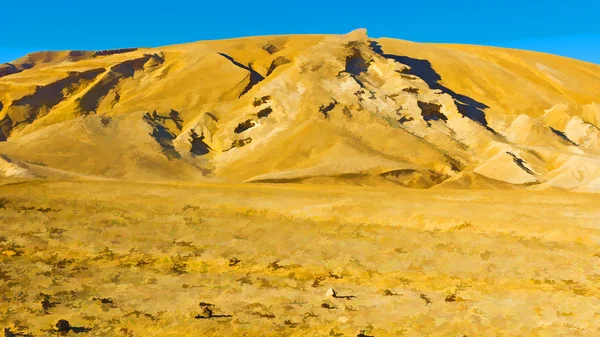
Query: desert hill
{"x": 345, "y": 109}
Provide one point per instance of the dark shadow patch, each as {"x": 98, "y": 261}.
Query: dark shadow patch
{"x": 80, "y": 329}
{"x": 431, "y": 112}
{"x": 46, "y": 210}
{"x": 521, "y": 163}
{"x": 240, "y": 143}
{"x": 8, "y": 69}
{"x": 264, "y": 112}
{"x": 8, "y": 332}
{"x": 254, "y": 76}
{"x": 268, "y": 315}
{"x": 363, "y": 333}
{"x": 345, "y": 297}
{"x": 28, "y": 108}
{"x": 325, "y": 109}
{"x": 278, "y": 62}
{"x": 89, "y": 102}
{"x": 455, "y": 164}
{"x": 403, "y": 119}
{"x": 213, "y": 117}
{"x": 261, "y": 101}
{"x": 77, "y": 53}
{"x": 279, "y": 181}
{"x": 234, "y": 261}
{"x": 173, "y": 116}
{"x": 63, "y": 327}
{"x": 467, "y": 106}
{"x": 105, "y": 303}
{"x": 359, "y": 94}
{"x": 426, "y": 299}
{"x": 346, "y": 111}
{"x": 475, "y": 114}
{"x": 562, "y": 136}
{"x": 105, "y": 121}
{"x": 388, "y": 292}
{"x": 162, "y": 135}
{"x": 411, "y": 90}
{"x": 398, "y": 173}
{"x": 208, "y": 312}
{"x": 113, "y": 51}
{"x": 4, "y": 202}
{"x": 245, "y": 125}
{"x": 270, "y": 48}
{"x": 5, "y": 158}
{"x": 199, "y": 147}
{"x": 450, "y": 298}
{"x": 5, "y": 128}
{"x": 47, "y": 303}
{"x": 212, "y": 317}
{"x": 356, "y": 62}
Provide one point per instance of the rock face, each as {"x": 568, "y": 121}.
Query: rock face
{"x": 335, "y": 109}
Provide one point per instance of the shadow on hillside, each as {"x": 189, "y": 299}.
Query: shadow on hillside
{"x": 467, "y": 106}
{"x": 255, "y": 77}
{"x": 161, "y": 133}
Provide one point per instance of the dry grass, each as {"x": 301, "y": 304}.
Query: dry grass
{"x": 129, "y": 259}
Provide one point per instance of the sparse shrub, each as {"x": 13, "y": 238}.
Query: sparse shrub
{"x": 450, "y": 298}
{"x": 192, "y": 207}
{"x": 275, "y": 265}
{"x": 46, "y": 303}
{"x": 3, "y": 202}
{"x": 426, "y": 299}
{"x": 388, "y": 292}
{"x": 234, "y": 261}
{"x": 179, "y": 268}
{"x": 363, "y": 333}
{"x": 105, "y": 254}
{"x": 400, "y": 250}
{"x": 55, "y": 232}
{"x": 105, "y": 121}
{"x": 11, "y": 249}
{"x": 328, "y": 306}
{"x": 290, "y": 324}
{"x": 463, "y": 225}
{"x": 245, "y": 279}
{"x": 318, "y": 281}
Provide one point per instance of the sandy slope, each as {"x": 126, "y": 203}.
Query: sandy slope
{"x": 345, "y": 109}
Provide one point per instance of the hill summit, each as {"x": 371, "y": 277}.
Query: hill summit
{"x": 345, "y": 109}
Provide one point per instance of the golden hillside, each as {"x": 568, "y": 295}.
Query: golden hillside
{"x": 343, "y": 109}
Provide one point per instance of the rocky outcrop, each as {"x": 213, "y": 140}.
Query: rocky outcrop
{"x": 335, "y": 109}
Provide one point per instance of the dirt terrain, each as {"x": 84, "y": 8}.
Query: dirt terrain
{"x": 112, "y": 258}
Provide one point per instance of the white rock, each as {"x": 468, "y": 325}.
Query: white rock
{"x": 330, "y": 293}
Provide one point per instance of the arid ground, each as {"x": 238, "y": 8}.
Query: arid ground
{"x": 132, "y": 259}
{"x": 300, "y": 185}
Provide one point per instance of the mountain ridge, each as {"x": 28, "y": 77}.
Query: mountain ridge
{"x": 309, "y": 108}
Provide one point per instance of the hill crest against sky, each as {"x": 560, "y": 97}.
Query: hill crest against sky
{"x": 344, "y": 109}
{"x": 558, "y": 27}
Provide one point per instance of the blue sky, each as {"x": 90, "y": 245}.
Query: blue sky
{"x": 566, "y": 28}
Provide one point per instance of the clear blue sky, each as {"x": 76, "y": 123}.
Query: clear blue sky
{"x": 568, "y": 28}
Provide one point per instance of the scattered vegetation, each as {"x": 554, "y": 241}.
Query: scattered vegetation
{"x": 127, "y": 263}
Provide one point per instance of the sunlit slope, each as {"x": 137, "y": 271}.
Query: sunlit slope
{"x": 336, "y": 109}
